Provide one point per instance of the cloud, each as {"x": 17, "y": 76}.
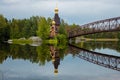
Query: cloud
{"x": 11, "y": 1}
{"x": 78, "y": 11}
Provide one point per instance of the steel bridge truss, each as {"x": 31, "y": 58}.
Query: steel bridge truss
{"x": 105, "y": 60}
{"x": 107, "y": 25}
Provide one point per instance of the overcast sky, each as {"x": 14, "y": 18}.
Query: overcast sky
{"x": 72, "y": 11}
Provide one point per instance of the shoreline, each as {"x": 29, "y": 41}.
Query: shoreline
{"x": 88, "y": 39}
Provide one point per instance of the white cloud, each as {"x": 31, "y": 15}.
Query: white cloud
{"x": 11, "y": 1}
{"x": 82, "y": 10}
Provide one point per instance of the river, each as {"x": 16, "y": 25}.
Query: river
{"x": 81, "y": 61}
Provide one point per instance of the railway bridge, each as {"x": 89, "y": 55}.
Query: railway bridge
{"x": 107, "y": 25}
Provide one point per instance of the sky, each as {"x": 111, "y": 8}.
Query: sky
{"x": 19, "y": 69}
{"x": 72, "y": 11}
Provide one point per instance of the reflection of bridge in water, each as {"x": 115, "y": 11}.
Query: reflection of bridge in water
{"x": 105, "y": 60}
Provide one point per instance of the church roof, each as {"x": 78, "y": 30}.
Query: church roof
{"x": 57, "y": 19}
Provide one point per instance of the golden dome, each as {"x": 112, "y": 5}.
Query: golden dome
{"x": 53, "y": 59}
{"x": 53, "y": 22}
{"x": 56, "y": 10}
{"x": 56, "y": 71}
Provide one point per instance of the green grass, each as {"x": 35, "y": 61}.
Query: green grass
{"x": 51, "y": 41}
{"x": 88, "y": 39}
{"x": 18, "y": 41}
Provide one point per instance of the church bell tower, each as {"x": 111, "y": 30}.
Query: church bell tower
{"x": 55, "y": 24}
{"x": 57, "y": 19}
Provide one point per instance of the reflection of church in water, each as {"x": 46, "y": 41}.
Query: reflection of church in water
{"x": 55, "y": 58}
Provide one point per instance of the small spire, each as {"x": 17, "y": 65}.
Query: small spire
{"x": 56, "y": 9}
{"x": 56, "y": 5}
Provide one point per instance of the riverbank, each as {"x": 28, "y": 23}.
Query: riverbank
{"x": 19, "y": 41}
{"x": 88, "y": 39}
{"x": 51, "y": 41}
{"x": 31, "y": 42}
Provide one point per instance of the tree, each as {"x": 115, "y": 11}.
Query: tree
{"x": 62, "y": 28}
{"x": 43, "y": 28}
{"x": 118, "y": 36}
{"x": 4, "y": 29}
{"x": 3, "y": 22}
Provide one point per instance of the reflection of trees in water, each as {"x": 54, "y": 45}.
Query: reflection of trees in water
{"x": 18, "y": 52}
{"x": 40, "y": 54}
{"x": 100, "y": 45}
{"x": 73, "y": 51}
{"x": 24, "y": 52}
{"x": 4, "y": 52}
{"x": 43, "y": 54}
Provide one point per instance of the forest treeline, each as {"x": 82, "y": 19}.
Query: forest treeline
{"x": 25, "y": 28}
{"x": 40, "y": 54}
{"x": 38, "y": 26}
{"x": 104, "y": 35}
{"x": 17, "y": 28}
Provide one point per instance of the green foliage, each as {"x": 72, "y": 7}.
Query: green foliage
{"x": 62, "y": 34}
{"x": 43, "y": 52}
{"x": 43, "y": 28}
{"x": 14, "y": 51}
{"x": 3, "y": 21}
{"x": 73, "y": 25}
{"x": 19, "y": 28}
{"x": 114, "y": 45}
{"x": 62, "y": 39}
{"x": 23, "y": 28}
{"x": 62, "y": 28}
{"x": 35, "y": 25}
{"x": 51, "y": 41}
{"x": 4, "y": 29}
{"x": 118, "y": 35}
{"x": 40, "y": 54}
{"x": 104, "y": 35}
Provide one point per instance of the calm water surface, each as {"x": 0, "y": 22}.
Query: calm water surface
{"x": 25, "y": 62}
